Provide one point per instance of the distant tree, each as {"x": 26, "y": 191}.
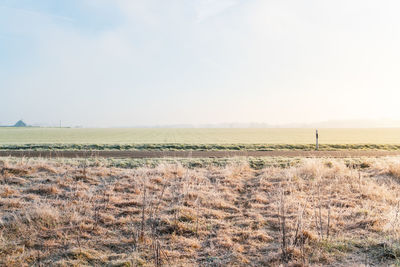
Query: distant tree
{"x": 20, "y": 123}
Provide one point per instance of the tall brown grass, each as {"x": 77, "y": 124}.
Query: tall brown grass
{"x": 319, "y": 212}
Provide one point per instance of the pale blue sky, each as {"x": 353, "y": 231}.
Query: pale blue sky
{"x": 131, "y": 62}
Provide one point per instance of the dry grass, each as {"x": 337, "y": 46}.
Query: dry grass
{"x": 321, "y": 212}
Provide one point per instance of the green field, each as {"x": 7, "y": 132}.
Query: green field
{"x": 158, "y": 138}
{"x": 157, "y": 135}
{"x": 196, "y": 136}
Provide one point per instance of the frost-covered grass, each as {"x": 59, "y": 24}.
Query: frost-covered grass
{"x": 311, "y": 212}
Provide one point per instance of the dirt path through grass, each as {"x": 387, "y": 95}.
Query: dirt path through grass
{"x": 199, "y": 154}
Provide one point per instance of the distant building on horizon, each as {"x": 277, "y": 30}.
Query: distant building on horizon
{"x": 20, "y": 123}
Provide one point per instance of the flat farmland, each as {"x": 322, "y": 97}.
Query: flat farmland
{"x": 20, "y": 136}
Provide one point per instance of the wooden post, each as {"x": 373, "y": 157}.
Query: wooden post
{"x": 316, "y": 139}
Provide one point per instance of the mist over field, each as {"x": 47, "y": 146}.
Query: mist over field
{"x": 199, "y": 133}
{"x": 143, "y": 63}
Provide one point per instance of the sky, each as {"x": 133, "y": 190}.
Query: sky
{"x": 111, "y": 63}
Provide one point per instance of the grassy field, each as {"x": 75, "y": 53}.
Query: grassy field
{"x": 255, "y": 163}
{"x": 194, "y": 147}
{"x": 20, "y": 136}
{"x": 313, "y": 212}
